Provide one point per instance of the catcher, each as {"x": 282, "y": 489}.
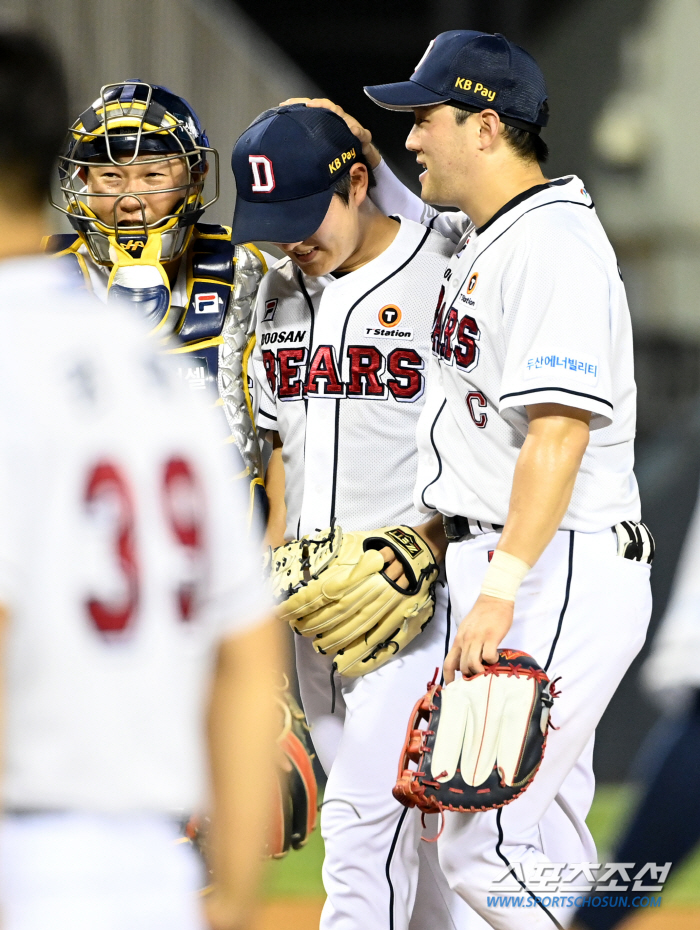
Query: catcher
{"x": 343, "y": 336}
{"x": 132, "y": 172}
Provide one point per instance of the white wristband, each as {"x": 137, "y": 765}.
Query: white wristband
{"x": 504, "y": 575}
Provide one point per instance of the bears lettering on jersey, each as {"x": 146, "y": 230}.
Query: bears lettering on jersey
{"x": 366, "y": 364}
{"x": 371, "y": 375}
{"x": 323, "y": 377}
{"x": 454, "y": 340}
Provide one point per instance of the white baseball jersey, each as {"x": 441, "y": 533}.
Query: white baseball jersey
{"x": 532, "y": 310}
{"x": 124, "y": 557}
{"x": 339, "y": 366}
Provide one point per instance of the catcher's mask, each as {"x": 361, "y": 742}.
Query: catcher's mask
{"x": 130, "y": 121}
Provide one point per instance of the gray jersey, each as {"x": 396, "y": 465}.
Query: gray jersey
{"x": 340, "y": 366}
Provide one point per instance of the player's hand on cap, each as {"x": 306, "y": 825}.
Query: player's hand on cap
{"x": 479, "y": 636}
{"x": 369, "y": 150}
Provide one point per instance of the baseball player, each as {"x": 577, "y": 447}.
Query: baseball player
{"x": 132, "y": 173}
{"x": 526, "y": 447}
{"x": 131, "y": 612}
{"x": 342, "y": 341}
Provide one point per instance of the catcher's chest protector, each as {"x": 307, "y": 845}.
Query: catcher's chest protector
{"x": 482, "y": 741}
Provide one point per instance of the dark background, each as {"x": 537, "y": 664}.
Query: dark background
{"x": 343, "y": 46}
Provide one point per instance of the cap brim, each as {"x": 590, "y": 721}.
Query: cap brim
{"x": 279, "y": 221}
{"x": 406, "y": 95}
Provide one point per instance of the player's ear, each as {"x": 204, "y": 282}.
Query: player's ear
{"x": 489, "y": 125}
{"x": 359, "y": 181}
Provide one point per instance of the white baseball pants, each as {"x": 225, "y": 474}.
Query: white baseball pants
{"x": 582, "y": 612}
{"x": 71, "y": 871}
{"x": 373, "y": 855}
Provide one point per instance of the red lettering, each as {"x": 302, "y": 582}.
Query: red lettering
{"x": 437, "y": 322}
{"x": 270, "y": 364}
{"x": 366, "y": 364}
{"x": 290, "y": 362}
{"x": 408, "y": 383}
{"x": 108, "y": 492}
{"x": 322, "y": 370}
{"x": 183, "y": 505}
{"x": 108, "y": 500}
{"x": 450, "y": 327}
{"x": 475, "y": 400}
{"x": 467, "y": 355}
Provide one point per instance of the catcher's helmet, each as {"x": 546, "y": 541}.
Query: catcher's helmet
{"x": 133, "y": 120}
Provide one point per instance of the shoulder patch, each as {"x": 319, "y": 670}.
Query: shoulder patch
{"x": 205, "y": 230}
{"x": 213, "y": 258}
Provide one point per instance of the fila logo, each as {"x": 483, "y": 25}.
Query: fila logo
{"x": 270, "y": 308}
{"x": 206, "y": 303}
{"x": 263, "y": 175}
{"x": 390, "y": 316}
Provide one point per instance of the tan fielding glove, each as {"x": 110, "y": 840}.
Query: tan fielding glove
{"x": 334, "y": 591}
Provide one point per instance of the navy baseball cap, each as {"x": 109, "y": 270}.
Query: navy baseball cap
{"x": 286, "y": 166}
{"x": 474, "y": 71}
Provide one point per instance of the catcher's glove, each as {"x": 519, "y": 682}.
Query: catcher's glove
{"x": 484, "y": 739}
{"x": 295, "y": 803}
{"x": 335, "y": 592}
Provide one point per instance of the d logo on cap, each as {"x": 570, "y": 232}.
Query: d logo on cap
{"x": 260, "y": 186}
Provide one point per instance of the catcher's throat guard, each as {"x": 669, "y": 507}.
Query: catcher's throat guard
{"x": 477, "y": 743}
{"x": 333, "y": 590}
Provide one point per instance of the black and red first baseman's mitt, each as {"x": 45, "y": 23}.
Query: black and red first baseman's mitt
{"x": 478, "y": 742}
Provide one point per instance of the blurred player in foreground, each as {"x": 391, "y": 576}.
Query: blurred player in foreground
{"x": 132, "y": 173}
{"x": 133, "y": 617}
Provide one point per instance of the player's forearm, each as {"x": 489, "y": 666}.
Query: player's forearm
{"x": 433, "y": 532}
{"x": 544, "y": 479}
{"x": 393, "y": 197}
{"x": 275, "y": 487}
{"x": 242, "y": 729}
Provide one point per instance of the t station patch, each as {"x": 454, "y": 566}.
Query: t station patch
{"x": 390, "y": 317}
